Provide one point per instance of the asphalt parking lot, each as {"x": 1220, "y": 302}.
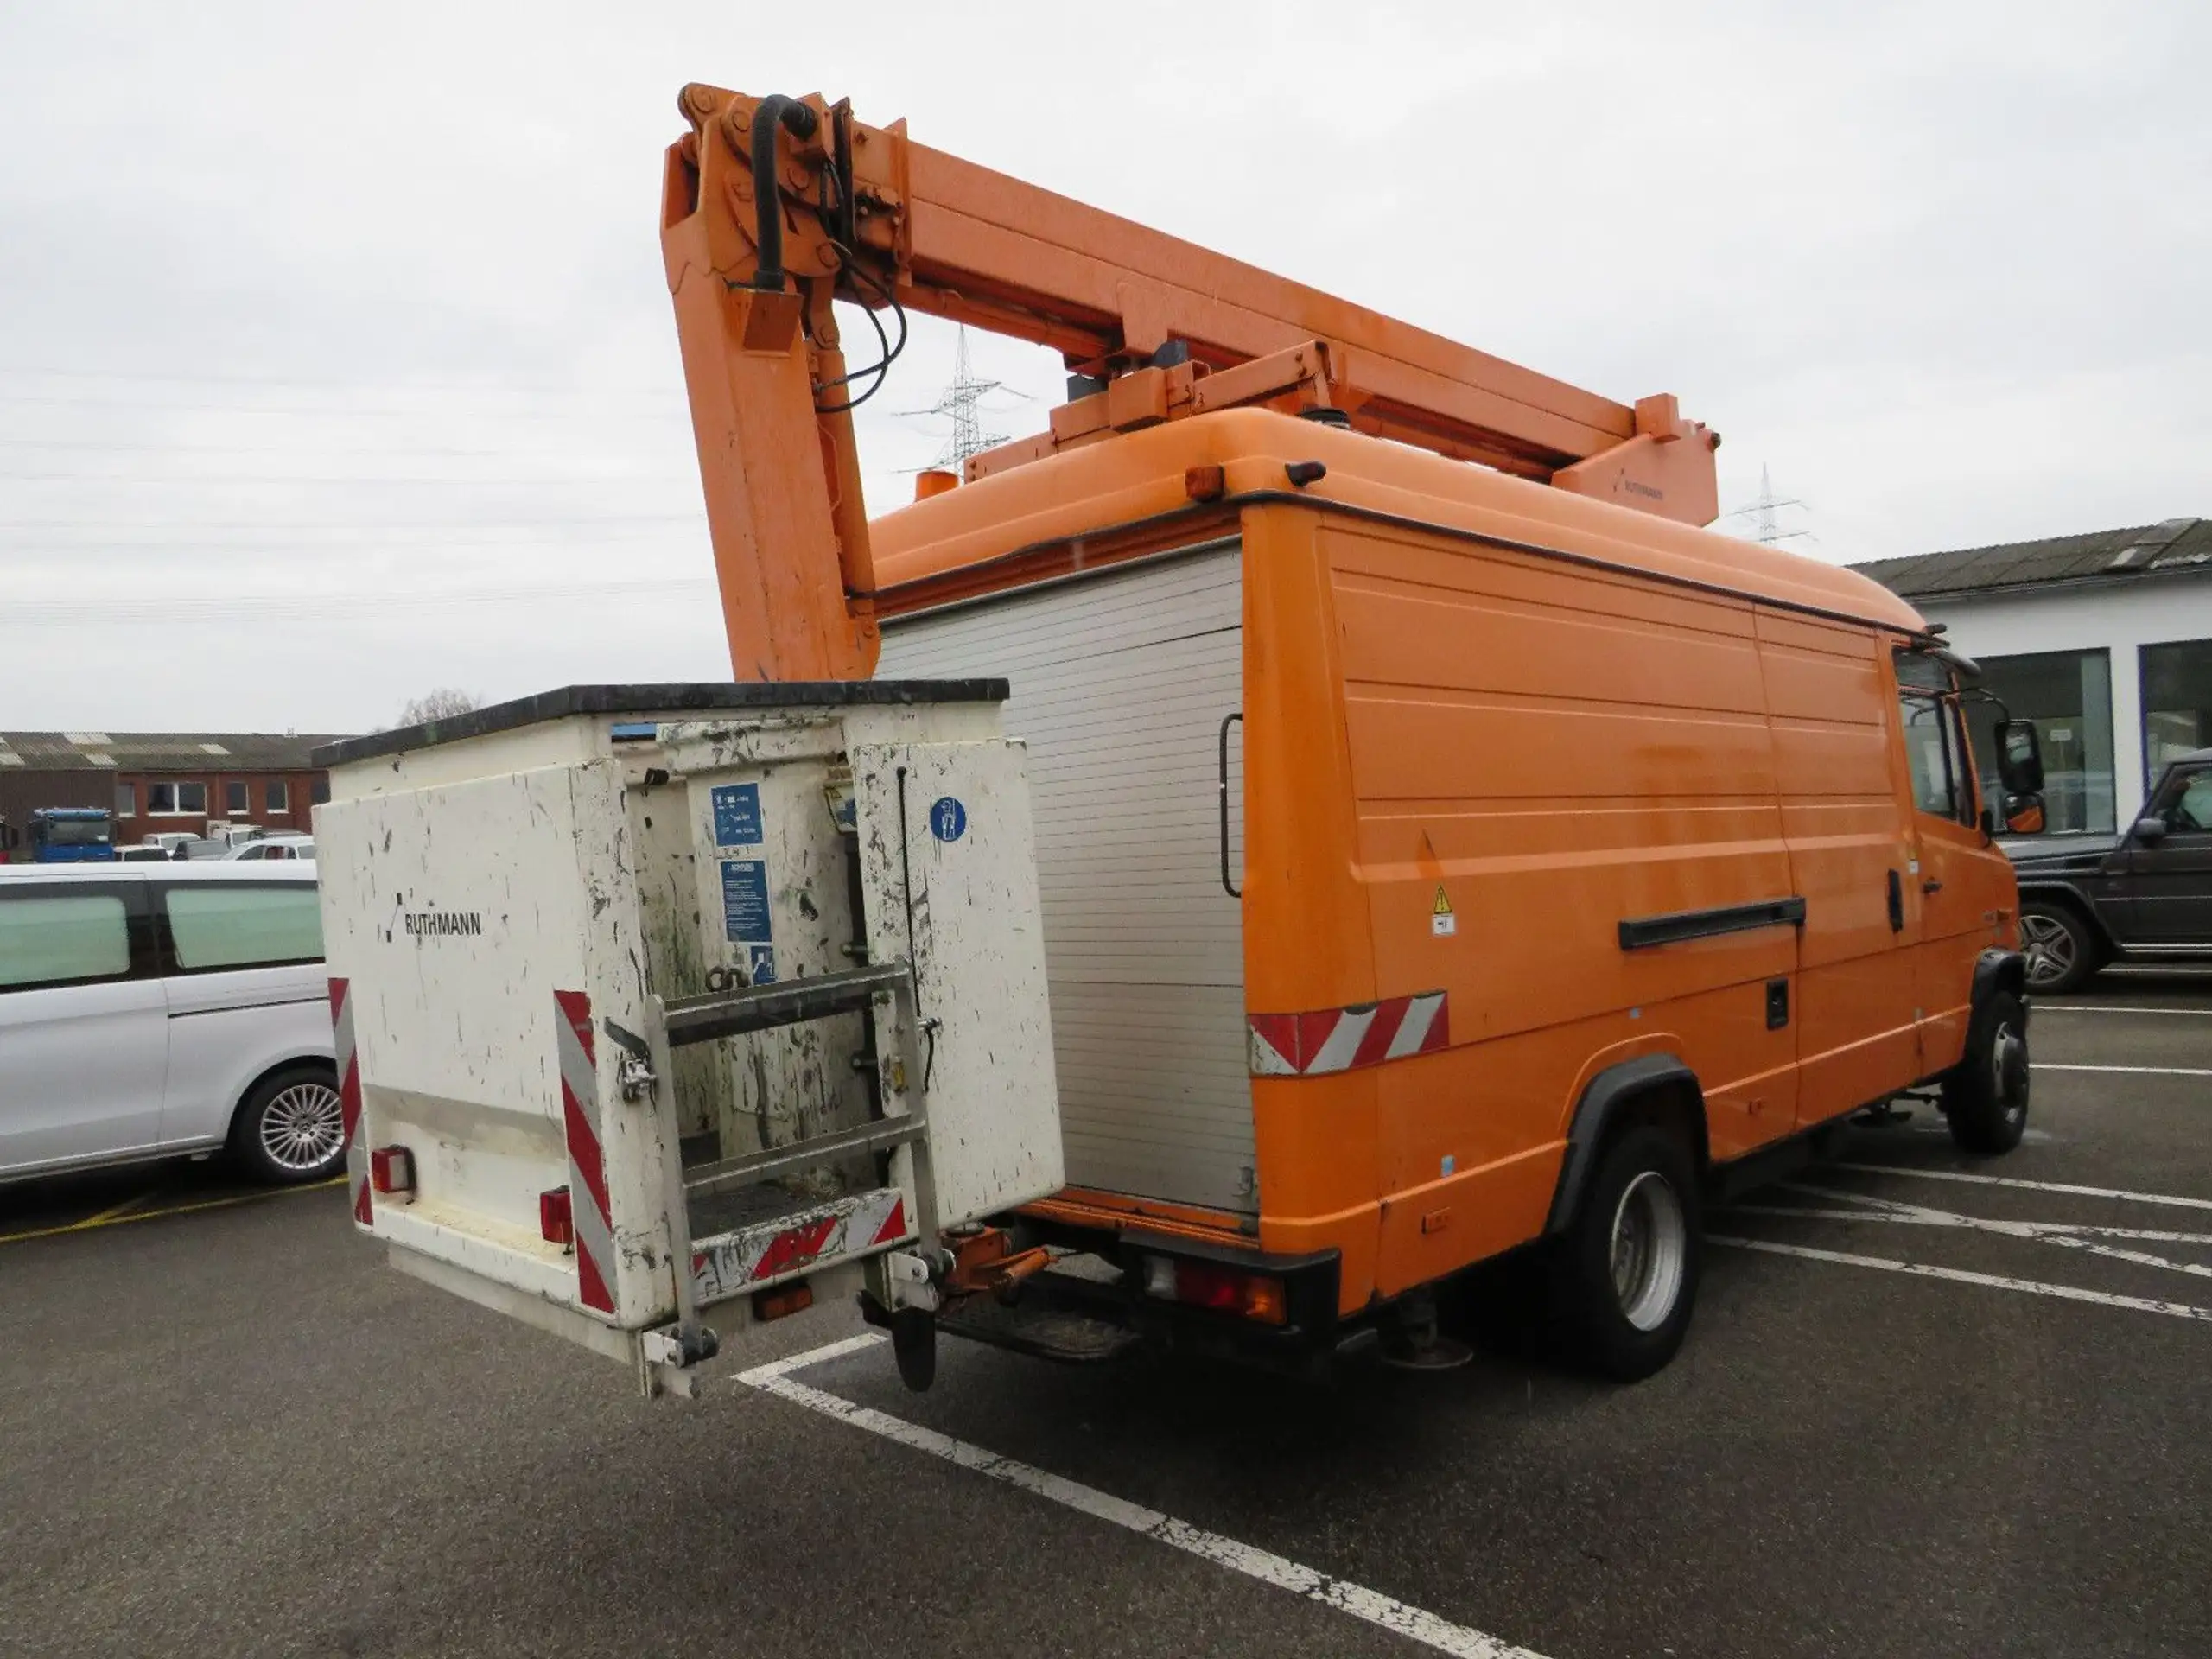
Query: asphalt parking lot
{"x": 1931, "y": 1405}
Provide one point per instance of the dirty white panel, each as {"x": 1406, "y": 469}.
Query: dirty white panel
{"x": 458, "y": 911}
{"x": 1120, "y": 681}
{"x": 945, "y": 833}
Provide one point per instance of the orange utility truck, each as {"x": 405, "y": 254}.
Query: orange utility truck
{"x": 1321, "y": 816}
{"x": 1445, "y": 846}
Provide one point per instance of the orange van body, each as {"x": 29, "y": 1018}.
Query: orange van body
{"x": 1531, "y": 785}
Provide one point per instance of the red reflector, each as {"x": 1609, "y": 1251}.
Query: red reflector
{"x": 391, "y": 1169}
{"x": 795, "y": 1298}
{"x": 554, "y": 1219}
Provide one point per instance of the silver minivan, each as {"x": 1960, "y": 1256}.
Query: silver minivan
{"x": 156, "y": 1009}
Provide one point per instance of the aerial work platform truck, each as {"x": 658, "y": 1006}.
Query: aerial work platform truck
{"x": 1322, "y": 815}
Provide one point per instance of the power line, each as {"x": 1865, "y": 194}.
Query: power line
{"x": 294, "y": 606}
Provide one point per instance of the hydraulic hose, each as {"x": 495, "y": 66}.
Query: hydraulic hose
{"x": 775, "y": 110}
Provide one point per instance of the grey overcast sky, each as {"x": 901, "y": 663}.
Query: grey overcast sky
{"x": 336, "y": 361}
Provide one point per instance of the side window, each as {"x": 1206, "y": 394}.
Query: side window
{"x": 2192, "y": 808}
{"x": 1935, "y": 745}
{"x": 62, "y": 938}
{"x": 227, "y": 924}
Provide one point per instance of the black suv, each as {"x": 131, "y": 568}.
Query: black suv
{"x": 2146, "y": 896}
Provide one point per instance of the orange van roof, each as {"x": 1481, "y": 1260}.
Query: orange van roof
{"x": 1139, "y": 477}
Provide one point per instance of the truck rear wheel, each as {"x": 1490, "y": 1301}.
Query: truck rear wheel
{"x": 1985, "y": 1094}
{"x": 1625, "y": 1277}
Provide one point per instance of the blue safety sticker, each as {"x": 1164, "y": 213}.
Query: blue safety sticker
{"x": 737, "y": 815}
{"x": 745, "y": 901}
{"x": 761, "y": 964}
{"x": 948, "y": 818}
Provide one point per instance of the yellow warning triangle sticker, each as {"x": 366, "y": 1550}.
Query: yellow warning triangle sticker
{"x": 1443, "y": 905}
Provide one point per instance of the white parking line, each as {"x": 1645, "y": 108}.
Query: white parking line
{"x": 2107, "y": 1007}
{"x": 1961, "y": 1275}
{"x": 1361, "y": 1602}
{"x": 1936, "y": 1219}
{"x": 2043, "y": 1232}
{"x": 2026, "y": 1186}
{"x": 2135, "y": 1070}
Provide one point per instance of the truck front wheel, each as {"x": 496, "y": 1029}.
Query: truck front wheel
{"x": 1985, "y": 1094}
{"x": 1625, "y": 1277}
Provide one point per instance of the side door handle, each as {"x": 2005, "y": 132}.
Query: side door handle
{"x": 1896, "y": 902}
{"x": 1227, "y": 886}
{"x": 1931, "y": 886}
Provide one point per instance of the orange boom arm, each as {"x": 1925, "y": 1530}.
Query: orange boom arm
{"x": 1156, "y": 328}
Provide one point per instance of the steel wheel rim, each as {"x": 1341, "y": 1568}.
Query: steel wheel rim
{"x": 2007, "y": 1087}
{"x": 2049, "y": 944}
{"x": 1650, "y": 1250}
{"x": 303, "y": 1127}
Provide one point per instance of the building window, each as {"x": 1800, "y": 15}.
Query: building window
{"x": 126, "y": 800}
{"x": 2177, "y": 703}
{"x": 2068, "y": 694}
{"x": 321, "y": 794}
{"x": 277, "y": 796}
{"x": 176, "y": 800}
{"x": 234, "y": 799}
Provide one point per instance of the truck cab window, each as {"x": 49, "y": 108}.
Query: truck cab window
{"x": 1935, "y": 744}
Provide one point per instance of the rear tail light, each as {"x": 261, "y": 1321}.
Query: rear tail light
{"x": 554, "y": 1219}
{"x": 1211, "y": 1285}
{"x": 391, "y": 1169}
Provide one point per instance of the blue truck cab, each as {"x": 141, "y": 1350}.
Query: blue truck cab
{"x": 71, "y": 834}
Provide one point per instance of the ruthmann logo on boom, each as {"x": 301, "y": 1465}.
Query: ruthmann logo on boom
{"x": 440, "y": 924}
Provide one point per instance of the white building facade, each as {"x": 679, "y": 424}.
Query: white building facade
{"x": 2104, "y": 641}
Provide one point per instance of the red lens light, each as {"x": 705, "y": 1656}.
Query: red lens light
{"x": 391, "y": 1169}
{"x": 554, "y": 1219}
{"x": 1228, "y": 1290}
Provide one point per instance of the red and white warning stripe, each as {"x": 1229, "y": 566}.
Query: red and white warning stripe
{"x": 753, "y": 1256}
{"x": 589, "y": 1215}
{"x": 1338, "y": 1039}
{"x": 349, "y": 1097}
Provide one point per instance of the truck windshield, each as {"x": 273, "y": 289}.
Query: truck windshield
{"x": 76, "y": 832}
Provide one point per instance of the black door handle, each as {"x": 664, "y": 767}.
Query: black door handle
{"x": 1931, "y": 886}
{"x": 1896, "y": 902}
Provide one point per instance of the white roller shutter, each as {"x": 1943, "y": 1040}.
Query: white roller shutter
{"x": 1120, "y": 683}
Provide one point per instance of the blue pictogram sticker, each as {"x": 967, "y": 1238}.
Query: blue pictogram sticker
{"x": 737, "y": 815}
{"x": 948, "y": 818}
{"x": 761, "y": 964}
{"x": 745, "y": 901}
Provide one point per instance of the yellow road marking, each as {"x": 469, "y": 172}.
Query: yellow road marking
{"x": 115, "y": 1218}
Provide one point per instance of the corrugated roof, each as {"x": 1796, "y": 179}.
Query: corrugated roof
{"x": 193, "y": 751}
{"x": 2177, "y": 544}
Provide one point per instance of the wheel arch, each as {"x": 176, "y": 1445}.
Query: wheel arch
{"x": 2067, "y": 896}
{"x": 1999, "y": 970}
{"x": 305, "y": 1060}
{"x": 1657, "y": 1086}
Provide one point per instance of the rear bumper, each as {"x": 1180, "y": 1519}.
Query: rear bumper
{"x": 1064, "y": 1316}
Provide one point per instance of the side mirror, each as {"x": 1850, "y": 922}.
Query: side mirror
{"x": 2020, "y": 757}
{"x": 2023, "y": 814}
{"x": 2150, "y": 830}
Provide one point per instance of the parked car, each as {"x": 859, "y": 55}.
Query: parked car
{"x": 142, "y": 854}
{"x": 160, "y": 1009}
{"x": 268, "y": 847}
{"x": 2143, "y": 896}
